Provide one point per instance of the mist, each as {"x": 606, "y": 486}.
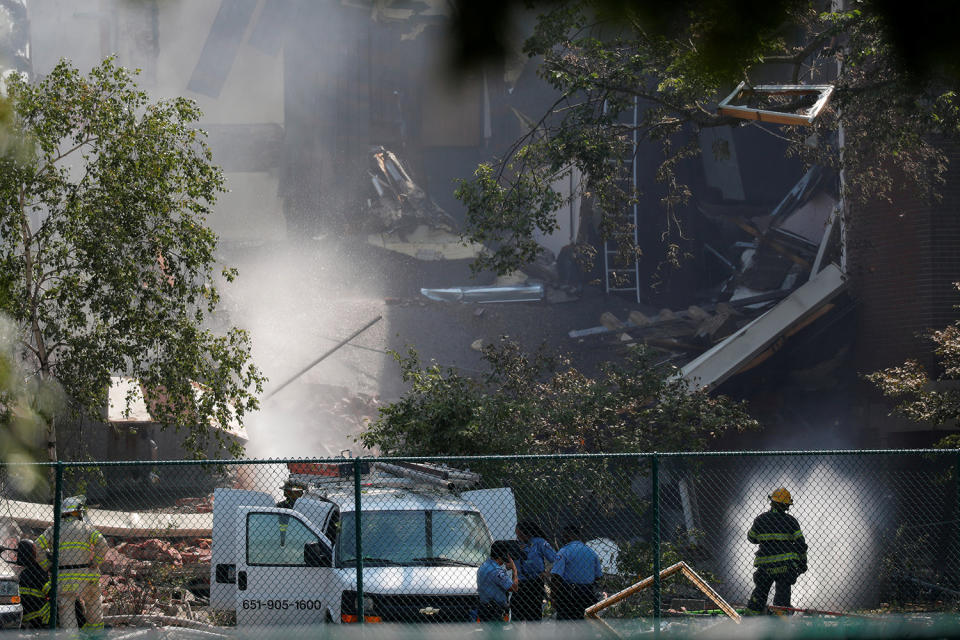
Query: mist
{"x": 320, "y": 412}
{"x": 272, "y": 79}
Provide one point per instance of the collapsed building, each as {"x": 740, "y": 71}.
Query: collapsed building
{"x": 335, "y": 120}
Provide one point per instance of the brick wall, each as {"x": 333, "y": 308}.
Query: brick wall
{"x": 903, "y": 258}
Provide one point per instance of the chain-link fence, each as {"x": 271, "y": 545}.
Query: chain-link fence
{"x": 302, "y": 542}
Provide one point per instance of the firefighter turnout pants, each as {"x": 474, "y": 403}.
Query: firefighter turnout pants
{"x": 763, "y": 579}
{"x": 87, "y": 593}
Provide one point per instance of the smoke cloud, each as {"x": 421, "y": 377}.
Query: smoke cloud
{"x": 838, "y": 523}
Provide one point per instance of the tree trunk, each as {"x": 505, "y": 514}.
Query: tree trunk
{"x": 52, "y": 439}
{"x": 51, "y": 434}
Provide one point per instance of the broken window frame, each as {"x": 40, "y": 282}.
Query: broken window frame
{"x": 778, "y": 117}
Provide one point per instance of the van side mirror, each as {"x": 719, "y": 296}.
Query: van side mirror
{"x": 315, "y": 554}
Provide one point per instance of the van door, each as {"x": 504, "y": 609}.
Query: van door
{"x": 284, "y": 574}
{"x": 224, "y": 551}
{"x": 498, "y": 508}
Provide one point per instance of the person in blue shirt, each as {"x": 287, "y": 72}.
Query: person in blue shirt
{"x": 527, "y": 604}
{"x": 495, "y": 579}
{"x": 573, "y": 575}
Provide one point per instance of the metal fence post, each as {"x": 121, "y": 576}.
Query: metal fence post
{"x": 956, "y": 506}
{"x": 358, "y": 536}
{"x": 55, "y": 560}
{"x": 655, "y": 542}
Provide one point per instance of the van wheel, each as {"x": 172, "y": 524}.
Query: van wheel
{"x": 328, "y": 619}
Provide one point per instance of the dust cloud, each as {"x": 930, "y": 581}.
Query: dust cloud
{"x": 296, "y": 295}
{"x": 287, "y": 300}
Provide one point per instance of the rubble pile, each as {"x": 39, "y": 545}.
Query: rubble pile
{"x": 340, "y": 407}
{"x": 198, "y": 505}
{"x": 780, "y": 276}
{"x": 149, "y": 577}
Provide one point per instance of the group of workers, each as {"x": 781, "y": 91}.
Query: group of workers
{"x": 511, "y": 584}
{"x": 572, "y": 571}
{"x": 81, "y": 551}
{"x": 524, "y": 572}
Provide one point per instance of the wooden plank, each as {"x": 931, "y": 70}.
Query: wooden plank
{"x": 604, "y": 626}
{"x": 629, "y": 591}
{"x": 681, "y": 567}
{"x": 697, "y": 313}
{"x": 611, "y": 321}
{"x": 667, "y": 315}
{"x": 773, "y": 244}
{"x": 709, "y": 591}
{"x": 637, "y": 319}
{"x": 717, "y": 327}
{"x": 671, "y": 344}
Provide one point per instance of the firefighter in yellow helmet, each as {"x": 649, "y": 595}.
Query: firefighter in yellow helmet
{"x": 82, "y": 549}
{"x": 781, "y": 556}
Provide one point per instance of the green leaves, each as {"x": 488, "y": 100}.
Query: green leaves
{"x": 920, "y": 396}
{"x": 109, "y": 262}
{"x": 539, "y": 403}
{"x": 675, "y": 61}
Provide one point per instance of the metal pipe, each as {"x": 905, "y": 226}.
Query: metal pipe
{"x": 531, "y": 456}
{"x": 655, "y": 534}
{"x": 358, "y": 537}
{"x": 55, "y": 560}
{"x": 329, "y": 352}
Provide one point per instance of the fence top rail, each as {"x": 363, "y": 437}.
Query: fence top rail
{"x": 538, "y": 456}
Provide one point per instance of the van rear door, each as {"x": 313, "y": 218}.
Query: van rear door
{"x": 224, "y": 551}
{"x": 284, "y": 574}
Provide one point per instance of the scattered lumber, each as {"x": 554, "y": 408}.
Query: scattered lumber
{"x": 680, "y": 567}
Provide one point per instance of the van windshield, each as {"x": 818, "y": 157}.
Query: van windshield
{"x": 415, "y": 538}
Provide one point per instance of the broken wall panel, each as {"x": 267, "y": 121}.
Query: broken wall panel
{"x": 271, "y": 25}
{"x": 717, "y": 364}
{"x": 810, "y": 220}
{"x": 221, "y": 47}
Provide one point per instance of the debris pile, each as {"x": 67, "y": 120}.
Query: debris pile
{"x": 396, "y": 203}
{"x": 198, "y": 505}
{"x": 148, "y": 577}
{"x": 780, "y": 277}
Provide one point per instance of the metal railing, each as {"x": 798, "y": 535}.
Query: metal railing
{"x": 882, "y": 530}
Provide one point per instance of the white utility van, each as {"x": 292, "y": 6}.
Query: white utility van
{"x": 423, "y": 537}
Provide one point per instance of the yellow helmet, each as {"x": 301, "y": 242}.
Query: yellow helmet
{"x": 74, "y": 505}
{"x": 781, "y": 496}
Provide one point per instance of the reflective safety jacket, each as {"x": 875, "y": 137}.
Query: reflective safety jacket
{"x": 780, "y": 539}
{"x": 82, "y": 549}
{"x": 35, "y": 599}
